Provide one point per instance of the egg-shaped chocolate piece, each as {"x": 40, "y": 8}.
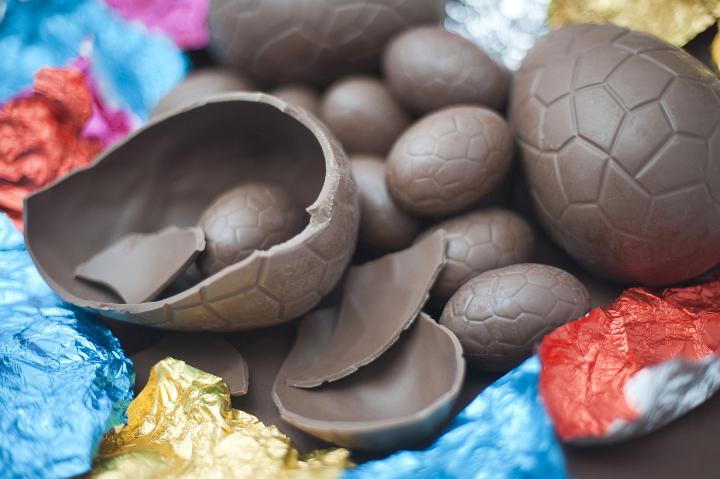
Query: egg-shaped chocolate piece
{"x": 167, "y": 173}
{"x": 620, "y": 140}
{"x": 363, "y": 115}
{"x": 480, "y": 241}
{"x": 312, "y": 41}
{"x": 500, "y": 315}
{"x": 383, "y": 225}
{"x": 449, "y": 160}
{"x": 299, "y": 95}
{"x": 249, "y": 217}
{"x": 428, "y": 68}
{"x": 200, "y": 84}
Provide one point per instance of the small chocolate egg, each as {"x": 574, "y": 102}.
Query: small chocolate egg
{"x": 363, "y": 115}
{"x": 428, "y": 68}
{"x": 480, "y": 241}
{"x": 449, "y": 160}
{"x": 200, "y": 84}
{"x": 500, "y": 315}
{"x": 383, "y": 225}
{"x": 299, "y": 95}
{"x": 247, "y": 218}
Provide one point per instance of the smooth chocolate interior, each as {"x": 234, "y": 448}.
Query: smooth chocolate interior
{"x": 166, "y": 174}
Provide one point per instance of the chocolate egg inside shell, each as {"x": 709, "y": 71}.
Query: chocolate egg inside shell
{"x": 167, "y": 173}
{"x": 398, "y": 400}
{"x": 247, "y": 218}
{"x": 299, "y": 95}
{"x": 312, "y": 41}
{"x": 363, "y": 115}
{"x": 449, "y": 160}
{"x": 383, "y": 225}
{"x": 500, "y": 315}
{"x": 620, "y": 140}
{"x": 480, "y": 241}
{"x": 200, "y": 84}
{"x": 429, "y": 68}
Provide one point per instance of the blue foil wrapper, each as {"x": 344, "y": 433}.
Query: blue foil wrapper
{"x": 135, "y": 68}
{"x": 504, "y": 433}
{"x": 64, "y": 379}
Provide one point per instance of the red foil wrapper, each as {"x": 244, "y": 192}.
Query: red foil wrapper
{"x": 633, "y": 366}
{"x": 41, "y": 136}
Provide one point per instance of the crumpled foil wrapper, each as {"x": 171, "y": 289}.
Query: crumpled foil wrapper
{"x": 182, "y": 426}
{"x": 633, "y": 366}
{"x": 133, "y": 67}
{"x": 64, "y": 379}
{"x": 505, "y": 29}
{"x": 185, "y": 21}
{"x": 504, "y": 433}
{"x": 675, "y": 21}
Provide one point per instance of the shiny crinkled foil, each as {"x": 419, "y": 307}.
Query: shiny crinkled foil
{"x": 505, "y": 29}
{"x": 676, "y": 21}
{"x": 183, "y": 426}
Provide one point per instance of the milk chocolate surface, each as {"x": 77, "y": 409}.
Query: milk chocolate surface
{"x": 449, "y": 160}
{"x": 429, "y": 68}
{"x": 399, "y": 400}
{"x": 299, "y": 95}
{"x": 380, "y": 300}
{"x": 138, "y": 266}
{"x": 620, "y": 135}
{"x": 176, "y": 166}
{"x": 501, "y": 314}
{"x": 383, "y": 225}
{"x": 209, "y": 353}
{"x": 363, "y": 115}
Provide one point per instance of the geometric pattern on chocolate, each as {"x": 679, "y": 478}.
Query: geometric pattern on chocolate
{"x": 501, "y": 314}
{"x": 453, "y": 157}
{"x": 603, "y": 116}
{"x": 310, "y": 40}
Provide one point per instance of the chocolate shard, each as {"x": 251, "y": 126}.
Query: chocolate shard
{"x": 139, "y": 265}
{"x": 207, "y": 352}
{"x": 399, "y": 400}
{"x": 380, "y": 300}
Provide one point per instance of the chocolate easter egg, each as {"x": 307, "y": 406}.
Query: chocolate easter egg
{"x": 429, "y": 68}
{"x": 299, "y": 95}
{"x": 310, "y": 40}
{"x": 620, "y": 141}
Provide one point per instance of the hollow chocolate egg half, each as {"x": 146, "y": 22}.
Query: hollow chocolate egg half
{"x": 167, "y": 173}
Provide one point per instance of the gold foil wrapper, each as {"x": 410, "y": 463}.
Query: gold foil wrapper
{"x": 715, "y": 49}
{"x": 183, "y": 426}
{"x": 676, "y": 21}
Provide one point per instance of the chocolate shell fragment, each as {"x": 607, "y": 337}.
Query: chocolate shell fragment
{"x": 299, "y": 95}
{"x": 206, "y": 352}
{"x": 176, "y": 166}
{"x": 399, "y": 400}
{"x": 620, "y": 140}
{"x": 380, "y": 300}
{"x": 138, "y": 266}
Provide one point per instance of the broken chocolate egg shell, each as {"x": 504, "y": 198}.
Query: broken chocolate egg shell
{"x": 249, "y": 217}
{"x": 200, "y": 84}
{"x": 429, "y": 68}
{"x": 480, "y": 241}
{"x": 299, "y": 95}
{"x": 369, "y": 319}
{"x": 449, "y": 160}
{"x": 167, "y": 173}
{"x": 363, "y": 115}
{"x": 206, "y": 352}
{"x": 383, "y": 225}
{"x": 314, "y": 41}
{"x": 399, "y": 400}
{"x": 500, "y": 315}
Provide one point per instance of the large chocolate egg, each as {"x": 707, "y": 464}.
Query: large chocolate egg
{"x": 167, "y": 173}
{"x": 429, "y": 68}
{"x": 310, "y": 40}
{"x": 499, "y": 315}
{"x": 620, "y": 140}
